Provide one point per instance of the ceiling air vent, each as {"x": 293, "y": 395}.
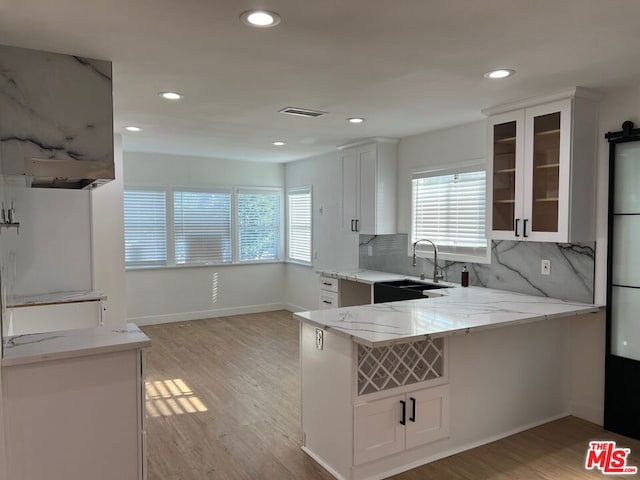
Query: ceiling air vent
{"x": 301, "y": 112}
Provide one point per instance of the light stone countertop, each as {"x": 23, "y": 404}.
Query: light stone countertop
{"x": 55, "y": 298}
{"x": 372, "y": 276}
{"x": 458, "y": 310}
{"x": 57, "y": 345}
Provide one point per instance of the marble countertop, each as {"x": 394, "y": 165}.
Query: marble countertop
{"x": 458, "y": 310}
{"x": 372, "y": 276}
{"x": 54, "y": 298}
{"x": 39, "y": 347}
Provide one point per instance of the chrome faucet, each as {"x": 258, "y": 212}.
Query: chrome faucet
{"x": 436, "y": 276}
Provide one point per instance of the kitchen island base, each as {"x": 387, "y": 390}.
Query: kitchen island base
{"x": 489, "y": 384}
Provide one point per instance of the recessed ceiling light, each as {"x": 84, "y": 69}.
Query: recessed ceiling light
{"x": 260, "y": 18}
{"x": 355, "y": 120}
{"x": 500, "y": 73}
{"x": 171, "y": 95}
{"x": 279, "y": 143}
{"x": 133, "y": 129}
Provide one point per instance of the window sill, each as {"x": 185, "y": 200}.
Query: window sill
{"x": 299, "y": 263}
{"x": 211, "y": 265}
{"x": 455, "y": 257}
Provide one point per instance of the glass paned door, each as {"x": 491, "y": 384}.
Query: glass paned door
{"x": 504, "y": 176}
{"x": 625, "y": 262}
{"x": 546, "y": 173}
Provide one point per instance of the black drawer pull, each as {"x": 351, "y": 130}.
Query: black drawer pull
{"x": 413, "y": 409}
{"x": 325, "y": 283}
{"x": 404, "y": 413}
{"x": 327, "y": 302}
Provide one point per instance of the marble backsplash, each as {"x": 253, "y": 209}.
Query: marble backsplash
{"x": 515, "y": 266}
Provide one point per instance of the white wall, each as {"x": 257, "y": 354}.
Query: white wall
{"x": 52, "y": 251}
{"x": 616, "y": 107}
{"x": 175, "y": 294}
{"x": 435, "y": 149}
{"x": 333, "y": 248}
{"x": 107, "y": 234}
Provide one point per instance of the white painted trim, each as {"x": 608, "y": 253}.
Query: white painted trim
{"x": 323, "y": 464}
{"x": 204, "y": 314}
{"x": 295, "y": 308}
{"x": 533, "y": 101}
{"x": 459, "y": 449}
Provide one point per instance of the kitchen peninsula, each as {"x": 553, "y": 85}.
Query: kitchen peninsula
{"x": 73, "y": 404}
{"x": 388, "y": 387}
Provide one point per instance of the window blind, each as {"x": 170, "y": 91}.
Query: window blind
{"x": 258, "y": 225}
{"x": 450, "y": 211}
{"x": 202, "y": 227}
{"x": 299, "y": 226}
{"x": 145, "y": 228}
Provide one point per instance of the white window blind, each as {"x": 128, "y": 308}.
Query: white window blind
{"x": 450, "y": 211}
{"x": 259, "y": 225}
{"x": 299, "y": 225}
{"x": 202, "y": 227}
{"x": 145, "y": 228}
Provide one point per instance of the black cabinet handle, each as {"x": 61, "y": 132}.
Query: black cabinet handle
{"x": 413, "y": 409}
{"x": 325, "y": 283}
{"x": 517, "y": 221}
{"x": 327, "y": 302}
{"x": 352, "y": 225}
{"x": 357, "y": 225}
{"x": 404, "y": 413}
{"x": 524, "y": 225}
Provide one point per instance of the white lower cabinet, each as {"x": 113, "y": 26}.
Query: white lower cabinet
{"x": 394, "y": 424}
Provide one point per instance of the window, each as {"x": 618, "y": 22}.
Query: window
{"x": 191, "y": 227}
{"x": 299, "y": 225}
{"x": 259, "y": 225}
{"x": 145, "y": 228}
{"x": 202, "y": 227}
{"x": 449, "y": 209}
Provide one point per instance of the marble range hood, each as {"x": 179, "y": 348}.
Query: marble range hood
{"x": 56, "y": 119}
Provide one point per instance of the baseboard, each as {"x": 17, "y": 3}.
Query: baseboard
{"x": 459, "y": 449}
{"x": 295, "y": 308}
{"x": 199, "y": 315}
{"x": 323, "y": 464}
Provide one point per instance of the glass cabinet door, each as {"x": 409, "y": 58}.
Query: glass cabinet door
{"x": 546, "y": 173}
{"x": 504, "y": 176}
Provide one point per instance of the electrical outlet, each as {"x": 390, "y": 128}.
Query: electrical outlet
{"x": 545, "y": 267}
{"x": 370, "y": 250}
{"x": 319, "y": 339}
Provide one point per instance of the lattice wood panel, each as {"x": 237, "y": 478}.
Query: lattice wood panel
{"x": 383, "y": 368}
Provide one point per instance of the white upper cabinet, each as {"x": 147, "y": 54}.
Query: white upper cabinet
{"x": 541, "y": 168}
{"x": 369, "y": 187}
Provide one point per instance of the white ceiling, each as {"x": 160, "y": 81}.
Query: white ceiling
{"x": 408, "y": 66}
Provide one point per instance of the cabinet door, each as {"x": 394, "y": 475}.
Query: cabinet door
{"x": 377, "y": 429}
{"x": 505, "y": 182}
{"x": 547, "y": 170}
{"x": 427, "y": 416}
{"x": 349, "y": 189}
{"x": 367, "y": 198}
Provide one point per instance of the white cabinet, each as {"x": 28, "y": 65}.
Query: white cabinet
{"x": 329, "y": 296}
{"x": 541, "y": 163}
{"x": 402, "y": 422}
{"x": 336, "y": 293}
{"x": 369, "y": 187}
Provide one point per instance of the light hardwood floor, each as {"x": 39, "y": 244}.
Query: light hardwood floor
{"x": 223, "y": 403}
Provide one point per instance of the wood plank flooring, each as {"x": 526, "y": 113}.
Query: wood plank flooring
{"x": 223, "y": 403}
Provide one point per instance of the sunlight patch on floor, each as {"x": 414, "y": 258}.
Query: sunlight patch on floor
{"x": 171, "y": 397}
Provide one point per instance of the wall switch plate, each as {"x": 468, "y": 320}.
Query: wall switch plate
{"x": 319, "y": 339}
{"x": 370, "y": 250}
{"x": 545, "y": 267}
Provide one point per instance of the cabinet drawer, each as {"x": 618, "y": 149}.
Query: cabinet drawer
{"x": 328, "y": 283}
{"x": 328, "y": 299}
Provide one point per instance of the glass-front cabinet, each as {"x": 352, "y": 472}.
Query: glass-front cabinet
{"x": 530, "y": 182}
